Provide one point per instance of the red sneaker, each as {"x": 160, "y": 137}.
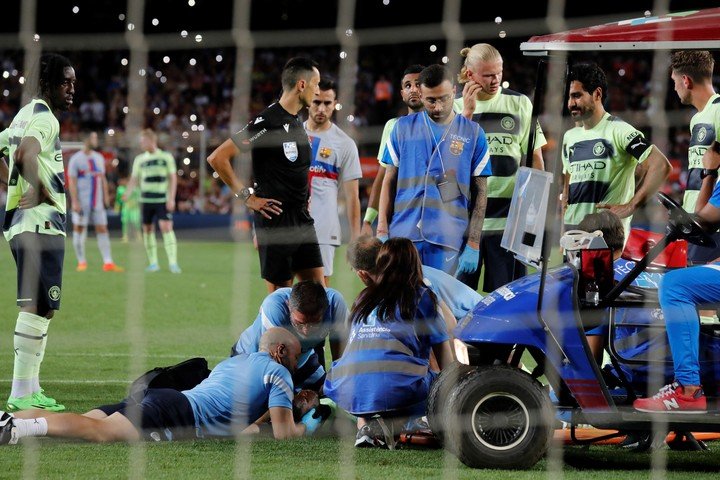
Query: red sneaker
{"x": 672, "y": 398}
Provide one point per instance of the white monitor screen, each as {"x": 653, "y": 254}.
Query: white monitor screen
{"x": 526, "y": 219}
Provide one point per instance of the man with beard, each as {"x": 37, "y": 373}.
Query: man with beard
{"x": 435, "y": 160}
{"x": 600, "y": 157}
{"x": 35, "y": 216}
{"x": 410, "y": 93}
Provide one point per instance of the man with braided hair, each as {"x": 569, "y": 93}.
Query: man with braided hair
{"x": 35, "y": 216}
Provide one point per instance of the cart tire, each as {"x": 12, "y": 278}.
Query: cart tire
{"x": 439, "y": 395}
{"x": 502, "y": 418}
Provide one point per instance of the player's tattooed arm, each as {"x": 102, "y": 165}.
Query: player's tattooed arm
{"x": 477, "y": 217}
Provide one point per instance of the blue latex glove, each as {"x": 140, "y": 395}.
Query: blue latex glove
{"x": 468, "y": 261}
{"x": 382, "y": 238}
{"x": 311, "y": 421}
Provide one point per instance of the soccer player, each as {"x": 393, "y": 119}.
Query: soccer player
{"x": 410, "y": 94}
{"x": 155, "y": 172}
{"x": 335, "y": 160}
{"x": 281, "y": 155}
{"x": 433, "y": 161}
{"x": 396, "y": 323}
{"x": 312, "y": 313}
{"x": 89, "y": 196}
{"x": 505, "y": 116}
{"x": 232, "y": 399}
{"x": 681, "y": 292}
{"x": 35, "y": 224}
{"x": 692, "y": 72}
{"x": 600, "y": 158}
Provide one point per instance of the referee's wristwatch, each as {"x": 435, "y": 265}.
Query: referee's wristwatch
{"x": 709, "y": 172}
{"x": 245, "y": 193}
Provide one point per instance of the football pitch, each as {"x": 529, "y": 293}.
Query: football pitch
{"x": 114, "y": 326}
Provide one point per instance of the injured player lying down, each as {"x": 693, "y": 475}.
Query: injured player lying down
{"x": 231, "y": 401}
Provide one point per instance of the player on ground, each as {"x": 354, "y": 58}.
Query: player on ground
{"x": 600, "y": 158}
{"x": 155, "y": 172}
{"x": 410, "y": 93}
{"x": 232, "y": 399}
{"x": 34, "y": 226}
{"x": 505, "y": 115}
{"x": 287, "y": 242}
{"x": 89, "y": 195}
{"x": 335, "y": 161}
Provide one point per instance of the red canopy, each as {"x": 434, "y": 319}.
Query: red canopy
{"x": 695, "y": 29}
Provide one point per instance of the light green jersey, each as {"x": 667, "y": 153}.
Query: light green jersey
{"x": 35, "y": 120}
{"x": 505, "y": 118}
{"x": 384, "y": 139}
{"x": 704, "y": 128}
{"x": 601, "y": 163}
{"x": 152, "y": 170}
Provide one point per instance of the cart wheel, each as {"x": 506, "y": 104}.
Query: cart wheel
{"x": 439, "y": 393}
{"x": 502, "y": 418}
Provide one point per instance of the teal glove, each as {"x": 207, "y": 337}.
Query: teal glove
{"x": 468, "y": 261}
{"x": 312, "y": 421}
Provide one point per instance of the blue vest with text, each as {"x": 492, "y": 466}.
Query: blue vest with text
{"x": 425, "y": 160}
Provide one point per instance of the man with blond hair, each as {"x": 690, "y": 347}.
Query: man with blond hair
{"x": 505, "y": 115}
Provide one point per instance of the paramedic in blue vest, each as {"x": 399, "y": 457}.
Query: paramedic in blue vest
{"x": 681, "y": 292}
{"x": 436, "y": 159}
{"x": 458, "y": 298}
{"x": 385, "y": 367}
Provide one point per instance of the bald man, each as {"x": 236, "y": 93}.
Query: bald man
{"x": 232, "y": 399}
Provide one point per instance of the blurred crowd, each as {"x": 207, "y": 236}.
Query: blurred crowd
{"x": 189, "y": 102}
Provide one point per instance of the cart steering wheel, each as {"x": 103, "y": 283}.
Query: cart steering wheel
{"x": 683, "y": 225}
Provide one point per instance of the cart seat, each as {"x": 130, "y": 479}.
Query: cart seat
{"x": 641, "y": 241}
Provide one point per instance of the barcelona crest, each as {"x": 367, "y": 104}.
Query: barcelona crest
{"x": 325, "y": 152}
{"x": 456, "y": 147}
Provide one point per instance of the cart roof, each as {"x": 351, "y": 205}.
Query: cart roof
{"x": 694, "y": 29}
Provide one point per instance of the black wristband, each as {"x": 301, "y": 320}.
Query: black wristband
{"x": 708, "y": 172}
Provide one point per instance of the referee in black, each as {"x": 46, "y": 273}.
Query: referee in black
{"x": 281, "y": 156}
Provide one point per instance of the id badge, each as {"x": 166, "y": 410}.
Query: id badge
{"x": 448, "y": 187}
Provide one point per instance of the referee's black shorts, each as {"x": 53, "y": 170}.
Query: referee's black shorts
{"x": 287, "y": 243}
{"x": 163, "y": 414}
{"x": 39, "y": 260}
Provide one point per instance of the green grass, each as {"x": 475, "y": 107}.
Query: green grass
{"x": 112, "y": 327}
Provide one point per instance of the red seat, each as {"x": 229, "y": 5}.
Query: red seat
{"x": 641, "y": 241}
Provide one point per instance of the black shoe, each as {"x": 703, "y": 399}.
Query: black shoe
{"x": 8, "y": 433}
{"x": 375, "y": 433}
